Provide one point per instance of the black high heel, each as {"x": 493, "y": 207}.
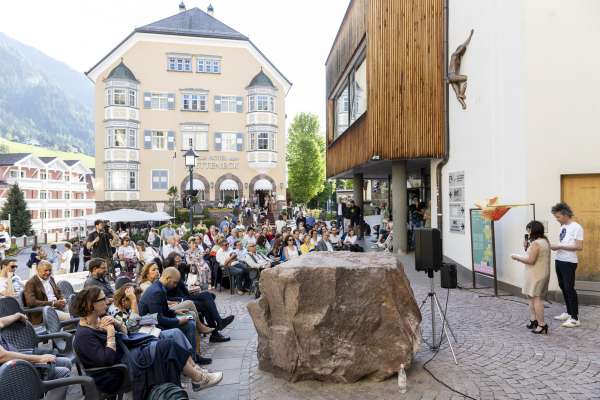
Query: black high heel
{"x": 543, "y": 330}
{"x": 532, "y": 324}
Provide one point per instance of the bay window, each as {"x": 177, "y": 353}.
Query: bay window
{"x": 121, "y": 97}
{"x": 261, "y": 103}
{"x": 262, "y": 138}
{"x": 121, "y": 137}
{"x": 121, "y": 180}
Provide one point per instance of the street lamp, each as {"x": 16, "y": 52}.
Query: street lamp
{"x": 190, "y": 162}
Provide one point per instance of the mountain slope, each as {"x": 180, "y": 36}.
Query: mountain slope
{"x": 14, "y": 147}
{"x": 43, "y": 101}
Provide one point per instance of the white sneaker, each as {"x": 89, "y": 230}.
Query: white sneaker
{"x": 208, "y": 379}
{"x": 563, "y": 317}
{"x": 571, "y": 323}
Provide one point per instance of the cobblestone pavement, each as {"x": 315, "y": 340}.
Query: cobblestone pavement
{"x": 498, "y": 357}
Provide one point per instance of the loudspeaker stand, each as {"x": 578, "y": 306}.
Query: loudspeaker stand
{"x": 435, "y": 306}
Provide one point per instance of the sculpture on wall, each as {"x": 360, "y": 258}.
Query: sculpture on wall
{"x": 458, "y": 81}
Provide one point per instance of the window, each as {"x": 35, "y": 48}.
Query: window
{"x": 195, "y": 137}
{"x": 67, "y": 177}
{"x": 208, "y": 65}
{"x": 132, "y": 98}
{"x": 43, "y": 174}
{"x": 228, "y": 142}
{"x": 159, "y": 140}
{"x": 159, "y": 101}
{"x": 43, "y": 195}
{"x": 67, "y": 195}
{"x": 351, "y": 101}
{"x": 119, "y": 97}
{"x": 342, "y": 108}
{"x": 179, "y": 63}
{"x": 261, "y": 103}
{"x": 14, "y": 173}
{"x": 228, "y": 104}
{"x": 262, "y": 140}
{"x": 121, "y": 180}
{"x": 195, "y": 102}
{"x": 43, "y": 214}
{"x": 67, "y": 214}
{"x": 122, "y": 137}
{"x": 160, "y": 179}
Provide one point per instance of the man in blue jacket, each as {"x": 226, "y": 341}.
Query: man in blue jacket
{"x": 154, "y": 301}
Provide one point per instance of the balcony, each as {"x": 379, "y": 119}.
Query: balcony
{"x": 124, "y": 154}
{"x": 262, "y": 159}
{"x": 261, "y": 118}
{"x": 123, "y": 113}
{"x": 48, "y": 184}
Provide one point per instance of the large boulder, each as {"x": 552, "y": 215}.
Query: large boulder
{"x": 336, "y": 317}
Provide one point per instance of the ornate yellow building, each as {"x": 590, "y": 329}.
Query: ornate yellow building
{"x": 188, "y": 81}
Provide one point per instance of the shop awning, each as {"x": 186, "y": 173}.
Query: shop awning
{"x": 197, "y": 184}
{"x": 263, "y": 184}
{"x": 228, "y": 184}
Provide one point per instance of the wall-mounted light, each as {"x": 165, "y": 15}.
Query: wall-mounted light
{"x": 212, "y": 185}
{"x": 246, "y": 185}
{"x": 281, "y": 185}
{"x": 376, "y": 157}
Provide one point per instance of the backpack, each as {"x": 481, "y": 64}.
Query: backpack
{"x": 168, "y": 391}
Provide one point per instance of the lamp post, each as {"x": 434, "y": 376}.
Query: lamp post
{"x": 190, "y": 162}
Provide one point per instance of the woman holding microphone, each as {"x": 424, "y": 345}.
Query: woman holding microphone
{"x": 537, "y": 274}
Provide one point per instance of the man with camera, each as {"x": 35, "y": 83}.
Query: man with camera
{"x": 100, "y": 242}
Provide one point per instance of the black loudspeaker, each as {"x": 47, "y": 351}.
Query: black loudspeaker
{"x": 428, "y": 249}
{"x": 448, "y": 276}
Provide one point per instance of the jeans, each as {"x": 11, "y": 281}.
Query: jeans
{"x": 62, "y": 370}
{"x": 340, "y": 222}
{"x": 189, "y": 330}
{"x": 74, "y": 267}
{"x": 178, "y": 337}
{"x": 565, "y": 272}
{"x": 205, "y": 304}
{"x": 241, "y": 274}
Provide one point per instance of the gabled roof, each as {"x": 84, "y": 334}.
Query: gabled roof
{"x": 70, "y": 163}
{"x": 12, "y": 158}
{"x": 121, "y": 71}
{"x": 193, "y": 22}
{"x": 47, "y": 160}
{"x": 261, "y": 79}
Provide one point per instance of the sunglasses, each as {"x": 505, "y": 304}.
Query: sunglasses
{"x": 99, "y": 300}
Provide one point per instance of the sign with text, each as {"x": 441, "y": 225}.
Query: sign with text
{"x": 456, "y": 199}
{"x": 482, "y": 244}
{"x": 218, "y": 162}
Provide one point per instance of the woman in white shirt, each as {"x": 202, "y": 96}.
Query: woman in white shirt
{"x": 65, "y": 259}
{"x": 350, "y": 241}
{"x": 146, "y": 253}
{"x": 290, "y": 251}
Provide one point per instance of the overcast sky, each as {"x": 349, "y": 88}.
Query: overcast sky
{"x": 295, "y": 35}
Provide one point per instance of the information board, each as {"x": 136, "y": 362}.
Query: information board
{"x": 482, "y": 244}
{"x": 456, "y": 198}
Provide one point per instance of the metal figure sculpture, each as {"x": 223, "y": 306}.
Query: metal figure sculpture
{"x": 458, "y": 81}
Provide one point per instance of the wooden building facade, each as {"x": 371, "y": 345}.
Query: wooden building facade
{"x": 385, "y": 87}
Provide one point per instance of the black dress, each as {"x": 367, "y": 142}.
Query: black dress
{"x": 149, "y": 365}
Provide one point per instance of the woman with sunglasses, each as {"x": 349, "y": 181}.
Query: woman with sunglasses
{"x": 102, "y": 341}
{"x": 290, "y": 250}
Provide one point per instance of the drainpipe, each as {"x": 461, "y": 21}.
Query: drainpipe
{"x": 440, "y": 218}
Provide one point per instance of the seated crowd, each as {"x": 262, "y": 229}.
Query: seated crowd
{"x": 148, "y": 304}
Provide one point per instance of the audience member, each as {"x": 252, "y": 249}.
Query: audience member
{"x": 228, "y": 259}
{"x": 41, "y": 290}
{"x": 324, "y": 244}
{"x": 10, "y": 283}
{"x": 98, "y": 270}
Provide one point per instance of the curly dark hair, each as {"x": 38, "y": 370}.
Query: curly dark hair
{"x": 562, "y": 208}
{"x": 83, "y": 303}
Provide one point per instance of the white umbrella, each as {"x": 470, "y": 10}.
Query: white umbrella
{"x": 123, "y": 215}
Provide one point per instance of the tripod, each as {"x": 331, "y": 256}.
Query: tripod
{"x": 435, "y": 305}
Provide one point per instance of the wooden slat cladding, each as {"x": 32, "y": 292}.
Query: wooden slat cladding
{"x": 405, "y": 87}
{"x": 350, "y": 34}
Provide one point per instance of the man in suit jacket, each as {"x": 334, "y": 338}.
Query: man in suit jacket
{"x": 154, "y": 301}
{"x": 41, "y": 291}
{"x": 324, "y": 244}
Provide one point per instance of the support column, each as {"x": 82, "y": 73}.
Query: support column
{"x": 357, "y": 185}
{"x": 400, "y": 207}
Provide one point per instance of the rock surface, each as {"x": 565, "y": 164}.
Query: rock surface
{"x": 336, "y": 317}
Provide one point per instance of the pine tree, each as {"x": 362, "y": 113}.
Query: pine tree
{"x": 16, "y": 207}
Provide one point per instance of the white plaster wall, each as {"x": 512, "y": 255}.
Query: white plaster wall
{"x": 488, "y": 140}
{"x": 532, "y": 112}
{"x": 563, "y": 87}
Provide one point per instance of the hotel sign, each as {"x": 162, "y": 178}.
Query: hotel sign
{"x": 218, "y": 162}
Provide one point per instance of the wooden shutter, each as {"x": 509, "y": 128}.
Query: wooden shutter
{"x": 147, "y": 100}
{"x": 217, "y": 103}
{"x": 171, "y": 101}
{"x": 239, "y": 104}
{"x": 147, "y": 139}
{"x": 218, "y": 141}
{"x": 239, "y": 141}
{"x": 171, "y": 140}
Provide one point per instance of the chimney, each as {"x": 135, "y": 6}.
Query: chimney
{"x": 210, "y": 10}
{"x": 181, "y": 7}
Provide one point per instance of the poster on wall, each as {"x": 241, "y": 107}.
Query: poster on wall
{"x": 456, "y": 197}
{"x": 482, "y": 244}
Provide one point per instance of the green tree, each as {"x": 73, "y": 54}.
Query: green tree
{"x": 305, "y": 158}
{"x": 16, "y": 207}
{"x": 3, "y": 148}
{"x": 173, "y": 193}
